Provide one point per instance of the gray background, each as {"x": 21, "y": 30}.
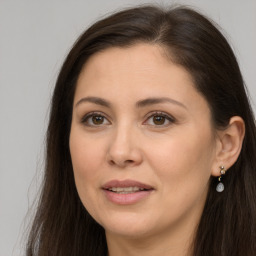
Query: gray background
{"x": 35, "y": 36}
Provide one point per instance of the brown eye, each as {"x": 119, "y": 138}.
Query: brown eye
{"x": 159, "y": 120}
{"x": 97, "y": 120}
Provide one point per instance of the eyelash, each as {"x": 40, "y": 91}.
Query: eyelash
{"x": 169, "y": 118}
{"x": 90, "y": 115}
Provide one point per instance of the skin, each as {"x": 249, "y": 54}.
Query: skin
{"x": 176, "y": 157}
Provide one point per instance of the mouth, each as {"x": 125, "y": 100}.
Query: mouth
{"x": 126, "y": 191}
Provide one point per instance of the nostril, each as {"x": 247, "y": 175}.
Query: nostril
{"x": 121, "y": 163}
{"x": 112, "y": 162}
{"x": 129, "y": 161}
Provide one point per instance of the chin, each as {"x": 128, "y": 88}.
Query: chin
{"x": 129, "y": 225}
{"x": 131, "y": 232}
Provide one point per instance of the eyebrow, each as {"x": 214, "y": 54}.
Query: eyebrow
{"x": 139, "y": 104}
{"x": 151, "y": 101}
{"x": 95, "y": 100}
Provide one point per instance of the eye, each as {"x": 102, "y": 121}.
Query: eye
{"x": 159, "y": 119}
{"x": 95, "y": 119}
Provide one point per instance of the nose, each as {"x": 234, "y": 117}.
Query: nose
{"x": 124, "y": 149}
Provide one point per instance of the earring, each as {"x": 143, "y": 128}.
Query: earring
{"x": 220, "y": 186}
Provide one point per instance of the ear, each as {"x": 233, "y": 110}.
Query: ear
{"x": 229, "y": 144}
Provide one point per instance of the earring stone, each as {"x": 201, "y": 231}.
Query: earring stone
{"x": 220, "y": 187}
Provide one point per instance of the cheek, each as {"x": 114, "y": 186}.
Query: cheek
{"x": 86, "y": 159}
{"x": 86, "y": 152}
{"x": 184, "y": 158}
{"x": 183, "y": 167}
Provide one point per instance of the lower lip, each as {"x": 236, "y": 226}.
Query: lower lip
{"x": 125, "y": 199}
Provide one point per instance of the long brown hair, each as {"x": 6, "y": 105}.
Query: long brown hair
{"x": 62, "y": 225}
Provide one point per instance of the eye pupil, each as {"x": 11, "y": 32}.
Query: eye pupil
{"x": 159, "y": 120}
{"x": 97, "y": 119}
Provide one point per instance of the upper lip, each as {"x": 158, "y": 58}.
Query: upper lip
{"x": 126, "y": 184}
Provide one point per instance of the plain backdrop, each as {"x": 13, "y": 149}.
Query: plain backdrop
{"x": 35, "y": 36}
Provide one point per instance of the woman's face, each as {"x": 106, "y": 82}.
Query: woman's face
{"x": 141, "y": 142}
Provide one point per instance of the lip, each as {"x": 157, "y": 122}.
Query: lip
{"x": 126, "y": 184}
{"x": 129, "y": 198}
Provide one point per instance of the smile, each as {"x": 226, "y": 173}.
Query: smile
{"x": 126, "y": 192}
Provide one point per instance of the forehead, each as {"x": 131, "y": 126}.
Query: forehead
{"x": 142, "y": 64}
{"x": 150, "y": 54}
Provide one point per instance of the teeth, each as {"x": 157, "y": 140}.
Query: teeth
{"x": 125, "y": 190}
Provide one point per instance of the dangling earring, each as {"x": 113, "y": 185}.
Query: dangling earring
{"x": 220, "y": 186}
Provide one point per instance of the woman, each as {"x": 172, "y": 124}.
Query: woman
{"x": 150, "y": 144}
